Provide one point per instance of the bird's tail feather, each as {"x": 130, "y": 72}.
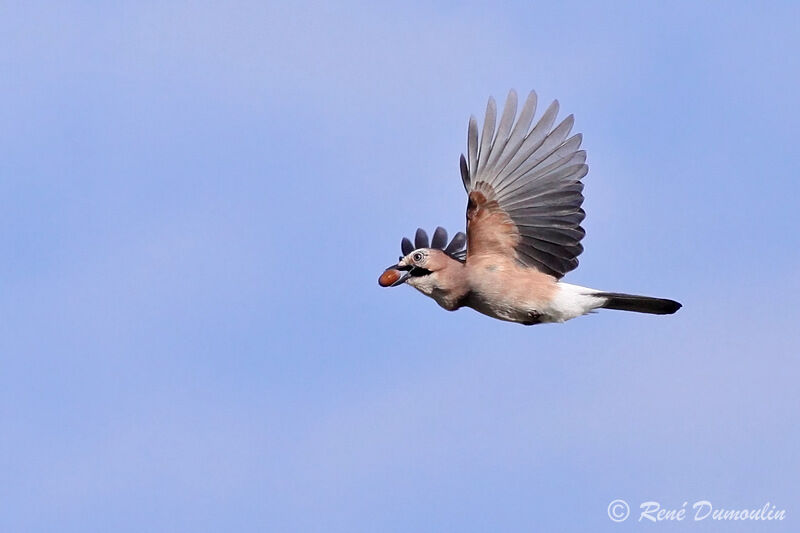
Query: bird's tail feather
{"x": 638, "y": 304}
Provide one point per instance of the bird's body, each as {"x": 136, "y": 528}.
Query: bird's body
{"x": 502, "y": 289}
{"x": 523, "y": 228}
{"x": 505, "y": 290}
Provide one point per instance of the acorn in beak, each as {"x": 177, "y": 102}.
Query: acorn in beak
{"x": 398, "y": 274}
{"x": 394, "y": 276}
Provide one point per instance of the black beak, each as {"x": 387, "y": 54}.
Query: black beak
{"x": 402, "y": 278}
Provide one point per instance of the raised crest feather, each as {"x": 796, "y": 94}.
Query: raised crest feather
{"x": 455, "y": 249}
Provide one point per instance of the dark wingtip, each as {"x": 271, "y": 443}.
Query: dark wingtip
{"x": 464, "y": 171}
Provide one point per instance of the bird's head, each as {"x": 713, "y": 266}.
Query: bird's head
{"x": 422, "y": 261}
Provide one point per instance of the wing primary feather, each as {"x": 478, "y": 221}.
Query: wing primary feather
{"x": 564, "y": 237}
{"x": 472, "y": 145}
{"x": 554, "y": 180}
{"x": 564, "y": 156}
{"x": 487, "y": 134}
{"x": 534, "y": 139}
{"x": 570, "y": 194}
{"x": 503, "y": 130}
{"x": 550, "y": 145}
{"x": 568, "y": 149}
{"x": 516, "y": 138}
{"x": 464, "y": 172}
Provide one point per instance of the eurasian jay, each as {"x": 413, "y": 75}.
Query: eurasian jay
{"x": 523, "y": 227}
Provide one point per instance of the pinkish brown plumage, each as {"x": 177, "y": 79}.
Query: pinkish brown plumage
{"x": 523, "y": 227}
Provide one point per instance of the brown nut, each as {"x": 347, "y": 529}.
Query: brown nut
{"x": 389, "y": 276}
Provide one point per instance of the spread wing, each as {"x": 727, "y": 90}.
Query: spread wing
{"x": 524, "y": 187}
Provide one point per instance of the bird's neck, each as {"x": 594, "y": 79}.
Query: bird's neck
{"x": 452, "y": 286}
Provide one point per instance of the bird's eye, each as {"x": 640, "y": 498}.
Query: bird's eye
{"x": 417, "y": 257}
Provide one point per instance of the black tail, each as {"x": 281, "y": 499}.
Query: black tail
{"x": 638, "y": 304}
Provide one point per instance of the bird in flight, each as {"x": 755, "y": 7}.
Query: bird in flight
{"x": 523, "y": 227}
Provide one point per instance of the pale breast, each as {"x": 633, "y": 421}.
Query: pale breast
{"x": 506, "y": 290}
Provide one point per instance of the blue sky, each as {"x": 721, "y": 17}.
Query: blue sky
{"x": 197, "y": 201}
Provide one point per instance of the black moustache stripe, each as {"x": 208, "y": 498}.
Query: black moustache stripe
{"x": 417, "y": 272}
